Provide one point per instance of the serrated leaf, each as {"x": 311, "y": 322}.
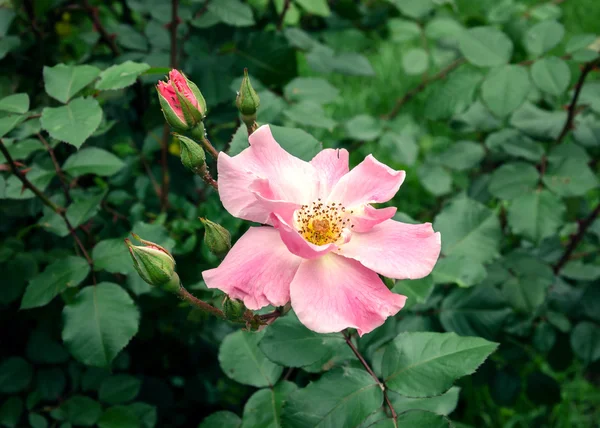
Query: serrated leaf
{"x": 98, "y": 323}
{"x": 56, "y": 278}
{"x": 424, "y": 364}
{"x": 585, "y": 341}
{"x": 363, "y": 128}
{"x": 422, "y": 419}
{"x": 551, "y": 75}
{"x": 309, "y": 113}
{"x": 310, "y": 89}
{"x": 119, "y": 417}
{"x": 415, "y": 61}
{"x": 442, "y": 404}
{"x": 222, "y": 419}
{"x": 263, "y": 408}
{"x": 569, "y": 177}
{"x": 73, "y": 123}
{"x": 121, "y": 75}
{"x": 15, "y": 375}
{"x": 315, "y": 7}
{"x": 63, "y": 81}
{"x": 538, "y": 123}
{"x": 414, "y": 8}
{"x": 81, "y": 410}
{"x": 513, "y": 180}
{"x": 505, "y": 89}
{"x": 458, "y": 270}
{"x": 536, "y": 215}
{"x": 453, "y": 96}
{"x": 242, "y": 360}
{"x": 340, "y": 398}
{"x": 543, "y": 36}
{"x": 232, "y": 12}
{"x": 112, "y": 255}
{"x": 119, "y": 389}
{"x": 486, "y": 46}
{"x": 17, "y": 103}
{"x": 93, "y": 160}
{"x": 9, "y": 122}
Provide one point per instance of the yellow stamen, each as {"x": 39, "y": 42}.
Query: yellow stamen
{"x": 322, "y": 223}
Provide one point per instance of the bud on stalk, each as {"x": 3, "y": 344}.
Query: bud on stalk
{"x": 154, "y": 264}
{"x": 216, "y": 238}
{"x": 181, "y": 101}
{"x": 247, "y": 102}
{"x": 191, "y": 153}
{"x": 233, "y": 309}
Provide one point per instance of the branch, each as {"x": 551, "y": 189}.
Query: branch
{"x": 209, "y": 147}
{"x": 412, "y": 93}
{"x": 572, "y": 109}
{"x": 576, "y": 238}
{"x": 59, "y": 171}
{"x": 205, "y": 175}
{"x": 54, "y": 207}
{"x": 109, "y": 40}
{"x": 286, "y": 6}
{"x": 373, "y": 375}
{"x": 200, "y": 304}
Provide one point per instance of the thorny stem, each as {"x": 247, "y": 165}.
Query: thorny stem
{"x": 108, "y": 39}
{"x": 200, "y": 304}
{"x": 54, "y": 207}
{"x": 576, "y": 238}
{"x": 373, "y": 375}
{"x": 572, "y": 109}
{"x": 209, "y": 147}
{"x": 59, "y": 171}
{"x": 205, "y": 175}
{"x": 421, "y": 87}
{"x": 286, "y": 6}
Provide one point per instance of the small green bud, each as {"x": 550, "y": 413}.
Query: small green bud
{"x": 216, "y": 238}
{"x": 234, "y": 309}
{"x": 191, "y": 153}
{"x": 247, "y": 100}
{"x": 153, "y": 263}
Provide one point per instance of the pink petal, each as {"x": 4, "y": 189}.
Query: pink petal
{"x": 289, "y": 178}
{"x": 396, "y": 250}
{"x": 182, "y": 86}
{"x": 331, "y": 165}
{"x": 168, "y": 93}
{"x": 332, "y": 293}
{"x": 299, "y": 246}
{"x": 370, "y": 181}
{"x": 366, "y": 218}
{"x": 258, "y": 269}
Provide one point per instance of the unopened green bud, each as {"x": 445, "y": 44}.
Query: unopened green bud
{"x": 191, "y": 153}
{"x": 216, "y": 238}
{"x": 234, "y": 309}
{"x": 247, "y": 100}
{"x": 153, "y": 263}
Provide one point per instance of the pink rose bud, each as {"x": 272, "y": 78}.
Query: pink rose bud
{"x": 182, "y": 102}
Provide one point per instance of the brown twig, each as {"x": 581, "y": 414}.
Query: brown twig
{"x": 209, "y": 147}
{"x": 572, "y": 109}
{"x": 205, "y": 174}
{"x": 116, "y": 215}
{"x": 281, "y": 19}
{"x": 108, "y": 39}
{"x": 576, "y": 238}
{"x": 421, "y": 87}
{"x": 373, "y": 375}
{"x": 200, "y": 304}
{"x": 59, "y": 171}
{"x": 54, "y": 207}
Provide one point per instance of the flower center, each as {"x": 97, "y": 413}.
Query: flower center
{"x": 321, "y": 223}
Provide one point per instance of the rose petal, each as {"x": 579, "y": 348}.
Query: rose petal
{"x": 370, "y": 181}
{"x": 396, "y": 250}
{"x": 296, "y": 243}
{"x": 364, "y": 219}
{"x": 290, "y": 179}
{"x": 331, "y": 165}
{"x": 258, "y": 269}
{"x": 332, "y": 293}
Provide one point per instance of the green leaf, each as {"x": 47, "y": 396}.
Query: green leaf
{"x": 525, "y": 293}
{"x": 50, "y": 383}
{"x": 222, "y": 419}
{"x": 8, "y": 123}
{"x": 458, "y": 270}
{"x": 63, "y": 81}
{"x": 415, "y": 61}
{"x": 442, "y": 404}
{"x": 435, "y": 178}
{"x": 543, "y": 36}
{"x": 309, "y": 113}
{"x": 402, "y": 149}
{"x": 423, "y": 419}
{"x": 536, "y": 215}
{"x": 232, "y": 12}
{"x": 415, "y": 290}
{"x": 580, "y": 271}
{"x": 414, "y": 8}
{"x": 10, "y": 412}
{"x": 310, "y": 89}
{"x": 93, "y": 160}
{"x": 119, "y": 389}
{"x": 8, "y": 44}
{"x": 263, "y": 408}
{"x": 513, "y": 179}
{"x": 7, "y": 15}
{"x": 486, "y": 46}
{"x": 154, "y": 232}
{"x": 454, "y": 96}
{"x": 363, "y": 128}
{"x": 73, "y": 123}
{"x": 15, "y": 375}
{"x": 119, "y": 417}
{"x": 98, "y": 323}
{"x": 569, "y": 177}
{"x": 341, "y": 398}
{"x": 40, "y": 178}
{"x": 81, "y": 410}
{"x": 479, "y": 311}
{"x": 424, "y": 364}
{"x": 505, "y": 89}
{"x": 146, "y": 414}
{"x": 37, "y": 421}
{"x": 60, "y": 275}
{"x": 112, "y": 256}
{"x": 513, "y": 143}
{"x": 242, "y": 360}
{"x": 585, "y": 341}
{"x": 120, "y": 76}
{"x": 469, "y": 229}
{"x": 289, "y": 343}
{"x": 315, "y": 7}
{"x": 551, "y": 75}
{"x": 402, "y": 30}
{"x": 461, "y": 155}
{"x": 17, "y": 103}
{"x": 21, "y": 149}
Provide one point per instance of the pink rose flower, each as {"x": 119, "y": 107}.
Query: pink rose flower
{"x": 181, "y": 101}
{"x": 324, "y": 244}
